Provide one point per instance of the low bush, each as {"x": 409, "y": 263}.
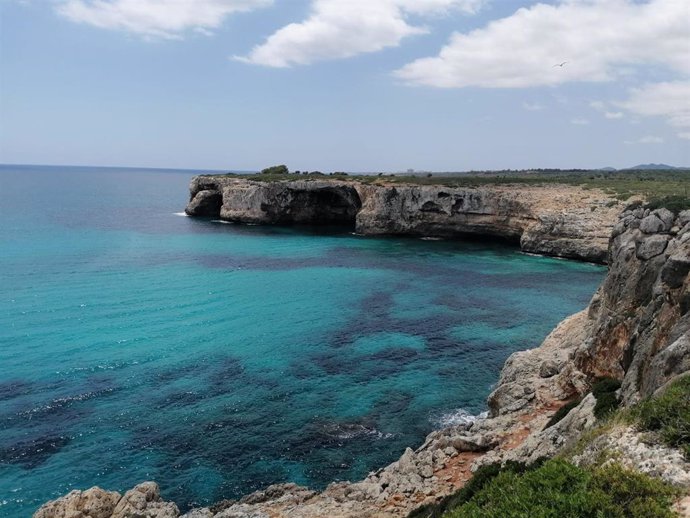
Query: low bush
{"x": 669, "y": 415}
{"x": 559, "y": 489}
{"x": 604, "y": 390}
{"x": 479, "y": 480}
{"x": 276, "y": 169}
{"x": 674, "y": 203}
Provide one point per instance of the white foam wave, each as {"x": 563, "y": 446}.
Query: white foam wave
{"x": 352, "y": 431}
{"x": 181, "y": 214}
{"x": 431, "y": 238}
{"x": 221, "y": 221}
{"x": 457, "y": 417}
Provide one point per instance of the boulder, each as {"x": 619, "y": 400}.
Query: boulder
{"x": 548, "y": 368}
{"x": 651, "y": 224}
{"x": 676, "y": 269}
{"x": 651, "y": 246}
{"x": 666, "y": 217}
{"x": 144, "y": 501}
{"x": 92, "y": 503}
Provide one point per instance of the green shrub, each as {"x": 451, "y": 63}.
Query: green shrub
{"x": 668, "y": 414}
{"x": 674, "y": 203}
{"x": 635, "y": 494}
{"x": 562, "y": 412}
{"x": 604, "y": 390}
{"x": 276, "y": 169}
{"x": 479, "y": 480}
{"x": 559, "y": 489}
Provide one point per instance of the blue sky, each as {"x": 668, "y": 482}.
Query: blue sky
{"x": 355, "y": 85}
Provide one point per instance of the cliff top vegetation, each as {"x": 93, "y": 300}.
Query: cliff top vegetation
{"x": 559, "y": 488}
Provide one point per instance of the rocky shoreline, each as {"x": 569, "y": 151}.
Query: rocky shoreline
{"x": 556, "y": 220}
{"x": 636, "y": 329}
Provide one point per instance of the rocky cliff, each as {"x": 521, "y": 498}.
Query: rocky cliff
{"x": 557, "y": 220}
{"x": 636, "y": 329}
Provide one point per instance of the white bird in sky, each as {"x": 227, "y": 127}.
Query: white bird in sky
{"x": 560, "y": 64}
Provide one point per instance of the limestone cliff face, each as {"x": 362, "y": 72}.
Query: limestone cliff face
{"x": 306, "y": 202}
{"x": 636, "y": 328}
{"x": 640, "y": 316}
{"x": 563, "y": 221}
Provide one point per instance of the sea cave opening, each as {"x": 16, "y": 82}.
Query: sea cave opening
{"x": 332, "y": 206}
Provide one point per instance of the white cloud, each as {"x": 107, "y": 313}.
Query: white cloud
{"x": 156, "y": 18}
{"x": 670, "y": 100}
{"x": 579, "y": 121}
{"x": 600, "y": 106}
{"x": 532, "y": 107}
{"x": 339, "y": 29}
{"x": 613, "y": 115}
{"x": 684, "y": 134}
{"x": 648, "y": 139}
{"x": 599, "y": 39}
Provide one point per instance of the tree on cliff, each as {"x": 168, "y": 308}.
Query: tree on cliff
{"x": 276, "y": 169}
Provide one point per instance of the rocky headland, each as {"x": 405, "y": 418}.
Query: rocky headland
{"x": 550, "y": 219}
{"x": 636, "y": 329}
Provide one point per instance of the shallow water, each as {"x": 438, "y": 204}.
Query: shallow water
{"x": 215, "y": 359}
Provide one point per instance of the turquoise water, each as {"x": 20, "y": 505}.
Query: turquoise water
{"x": 215, "y": 359}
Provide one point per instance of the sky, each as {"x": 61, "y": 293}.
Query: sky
{"x": 345, "y": 85}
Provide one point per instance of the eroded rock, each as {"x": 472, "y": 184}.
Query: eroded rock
{"x": 562, "y": 220}
{"x": 92, "y": 503}
{"x": 144, "y": 501}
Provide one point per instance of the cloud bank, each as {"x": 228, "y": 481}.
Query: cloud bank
{"x": 599, "y": 39}
{"x": 338, "y": 29}
{"x": 670, "y": 100}
{"x": 156, "y": 18}
{"x": 648, "y": 139}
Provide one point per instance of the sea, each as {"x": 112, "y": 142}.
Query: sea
{"x": 140, "y": 344}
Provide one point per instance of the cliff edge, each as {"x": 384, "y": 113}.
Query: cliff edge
{"x": 551, "y": 219}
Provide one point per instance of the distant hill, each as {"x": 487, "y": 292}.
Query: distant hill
{"x": 656, "y": 166}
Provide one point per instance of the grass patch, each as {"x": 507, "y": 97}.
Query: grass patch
{"x": 562, "y": 412}
{"x": 604, "y": 390}
{"x": 558, "y": 489}
{"x": 668, "y": 415}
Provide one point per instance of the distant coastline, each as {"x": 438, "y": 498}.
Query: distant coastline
{"x": 550, "y": 219}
